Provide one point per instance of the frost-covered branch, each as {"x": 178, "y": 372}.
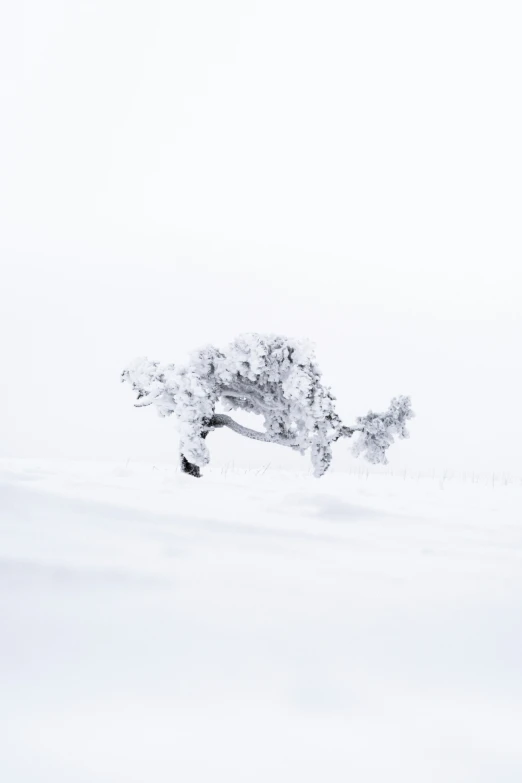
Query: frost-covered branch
{"x": 222, "y": 420}
{"x": 378, "y": 430}
{"x": 269, "y": 375}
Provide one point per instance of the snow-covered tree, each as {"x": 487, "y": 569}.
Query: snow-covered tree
{"x": 273, "y": 376}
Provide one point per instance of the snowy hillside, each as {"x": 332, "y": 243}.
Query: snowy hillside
{"x": 256, "y": 627}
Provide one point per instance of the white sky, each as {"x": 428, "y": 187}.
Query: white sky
{"x": 174, "y": 173}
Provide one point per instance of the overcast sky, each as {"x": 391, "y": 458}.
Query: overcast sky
{"x": 174, "y": 173}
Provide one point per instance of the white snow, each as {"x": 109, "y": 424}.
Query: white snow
{"x": 257, "y": 626}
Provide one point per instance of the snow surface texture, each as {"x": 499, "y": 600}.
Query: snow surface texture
{"x": 261, "y": 627}
{"x": 270, "y": 375}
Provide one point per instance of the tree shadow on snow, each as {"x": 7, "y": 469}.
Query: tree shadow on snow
{"x": 331, "y": 508}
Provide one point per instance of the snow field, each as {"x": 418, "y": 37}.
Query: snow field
{"x": 257, "y": 626}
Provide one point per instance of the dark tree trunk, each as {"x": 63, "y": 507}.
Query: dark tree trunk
{"x": 189, "y": 467}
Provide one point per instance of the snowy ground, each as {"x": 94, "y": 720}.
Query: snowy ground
{"x": 253, "y": 627}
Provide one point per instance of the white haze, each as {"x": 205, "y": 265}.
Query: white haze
{"x": 173, "y": 174}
